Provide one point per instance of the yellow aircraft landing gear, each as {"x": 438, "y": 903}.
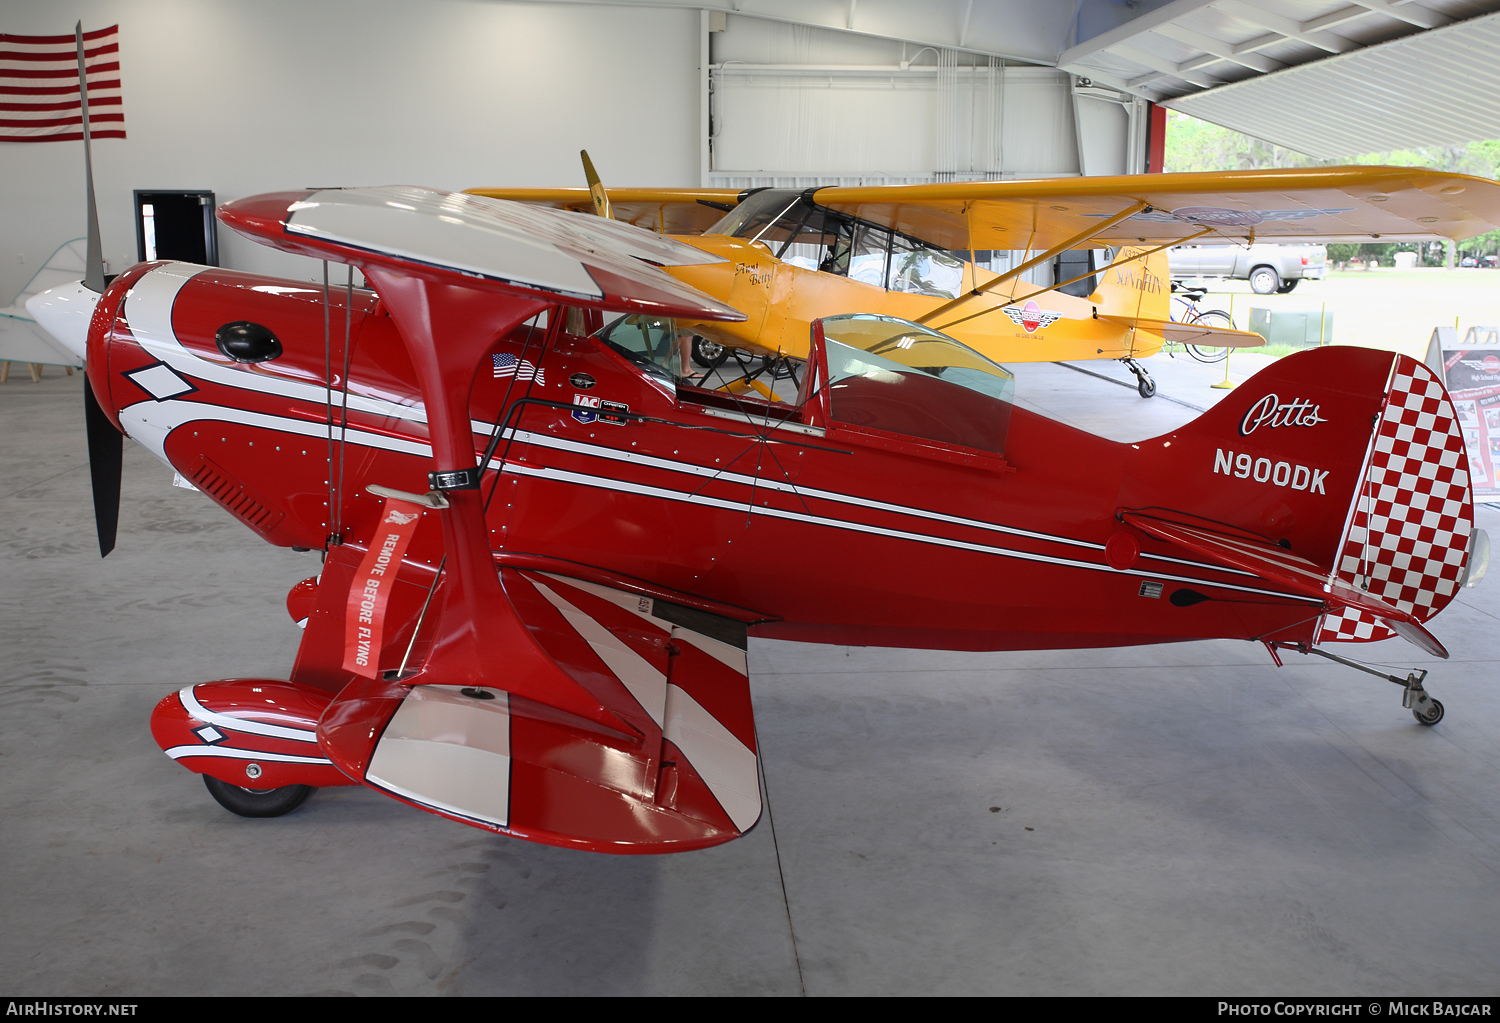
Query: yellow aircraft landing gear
{"x": 1143, "y": 381}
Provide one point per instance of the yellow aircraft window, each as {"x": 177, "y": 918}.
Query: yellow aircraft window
{"x": 889, "y": 374}
{"x": 919, "y": 270}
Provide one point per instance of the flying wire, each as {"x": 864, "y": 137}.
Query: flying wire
{"x": 338, "y": 517}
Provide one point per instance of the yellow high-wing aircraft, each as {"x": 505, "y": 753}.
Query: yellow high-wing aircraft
{"x": 918, "y": 251}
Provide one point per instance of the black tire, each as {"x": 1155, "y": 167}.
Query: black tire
{"x": 1145, "y": 385}
{"x": 1287, "y": 287}
{"x": 1264, "y": 280}
{"x": 1433, "y": 716}
{"x": 1211, "y": 353}
{"x": 257, "y": 802}
{"x": 708, "y": 354}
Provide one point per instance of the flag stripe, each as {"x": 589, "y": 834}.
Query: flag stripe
{"x": 58, "y": 90}
{"x": 43, "y": 122}
{"x": 39, "y": 87}
{"x": 59, "y": 72}
{"x": 53, "y": 41}
{"x": 67, "y": 104}
{"x": 50, "y": 135}
{"x": 88, "y": 54}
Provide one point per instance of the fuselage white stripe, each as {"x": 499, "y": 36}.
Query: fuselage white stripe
{"x": 607, "y": 483}
{"x": 600, "y": 451}
{"x": 202, "y": 713}
{"x": 148, "y": 310}
{"x": 229, "y": 752}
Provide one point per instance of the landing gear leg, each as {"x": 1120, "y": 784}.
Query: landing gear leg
{"x": 1143, "y": 381}
{"x": 1414, "y": 698}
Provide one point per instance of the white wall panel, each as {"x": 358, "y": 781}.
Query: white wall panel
{"x": 872, "y": 124}
{"x": 244, "y": 97}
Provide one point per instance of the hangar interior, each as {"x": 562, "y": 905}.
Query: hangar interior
{"x": 1179, "y": 819}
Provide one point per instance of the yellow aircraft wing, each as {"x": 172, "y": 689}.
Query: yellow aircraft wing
{"x": 665, "y": 210}
{"x": 1355, "y": 204}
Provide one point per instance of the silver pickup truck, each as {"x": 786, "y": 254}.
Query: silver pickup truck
{"x": 1269, "y": 268}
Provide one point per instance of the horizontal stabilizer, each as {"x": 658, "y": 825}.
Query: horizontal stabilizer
{"x": 1192, "y": 333}
{"x": 494, "y": 759}
{"x": 1280, "y": 566}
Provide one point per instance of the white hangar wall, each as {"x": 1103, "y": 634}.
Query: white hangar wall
{"x": 246, "y": 97}
{"x": 794, "y": 105}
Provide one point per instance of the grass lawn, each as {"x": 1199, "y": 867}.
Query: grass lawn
{"x": 1395, "y": 310}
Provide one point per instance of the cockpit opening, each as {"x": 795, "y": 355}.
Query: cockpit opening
{"x": 893, "y": 375}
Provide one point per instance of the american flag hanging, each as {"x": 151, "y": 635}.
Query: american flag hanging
{"x": 507, "y": 366}
{"x": 39, "y": 99}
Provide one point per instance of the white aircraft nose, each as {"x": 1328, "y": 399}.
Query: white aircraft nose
{"x": 65, "y": 312}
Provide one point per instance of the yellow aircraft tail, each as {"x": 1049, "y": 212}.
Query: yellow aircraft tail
{"x": 1135, "y": 289}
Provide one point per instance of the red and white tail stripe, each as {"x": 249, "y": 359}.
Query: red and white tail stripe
{"x": 1408, "y": 536}
{"x": 39, "y": 96}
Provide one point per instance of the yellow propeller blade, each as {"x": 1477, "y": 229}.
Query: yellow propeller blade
{"x": 596, "y": 187}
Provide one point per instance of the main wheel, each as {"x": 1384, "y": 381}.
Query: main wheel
{"x": 1145, "y": 385}
{"x": 1288, "y": 286}
{"x": 257, "y": 802}
{"x": 1211, "y": 353}
{"x": 1264, "y": 280}
{"x": 1433, "y": 716}
{"x": 708, "y": 354}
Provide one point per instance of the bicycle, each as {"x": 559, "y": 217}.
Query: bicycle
{"x": 1185, "y": 310}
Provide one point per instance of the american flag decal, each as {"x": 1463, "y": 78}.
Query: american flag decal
{"x": 506, "y": 365}
{"x": 39, "y": 100}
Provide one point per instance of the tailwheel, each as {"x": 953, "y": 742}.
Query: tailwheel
{"x": 1143, "y": 382}
{"x": 1432, "y": 715}
{"x": 257, "y": 802}
{"x": 1414, "y": 698}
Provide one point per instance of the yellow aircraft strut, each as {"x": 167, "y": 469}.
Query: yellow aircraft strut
{"x": 1056, "y": 250}
{"x": 1073, "y": 280}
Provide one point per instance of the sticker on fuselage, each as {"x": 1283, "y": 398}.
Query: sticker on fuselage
{"x": 609, "y": 412}
{"x": 1151, "y": 589}
{"x": 585, "y": 414}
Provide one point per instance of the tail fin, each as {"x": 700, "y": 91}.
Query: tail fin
{"x": 1135, "y": 288}
{"x": 1339, "y": 469}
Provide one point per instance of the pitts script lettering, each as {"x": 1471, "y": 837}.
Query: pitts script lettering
{"x": 1270, "y": 410}
{"x": 1263, "y": 470}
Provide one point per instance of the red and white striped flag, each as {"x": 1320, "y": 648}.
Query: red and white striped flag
{"x": 39, "y": 99}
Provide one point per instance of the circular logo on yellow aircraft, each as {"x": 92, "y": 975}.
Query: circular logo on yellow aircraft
{"x": 1031, "y": 316}
{"x": 1217, "y": 216}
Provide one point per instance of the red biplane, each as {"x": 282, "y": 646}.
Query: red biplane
{"x": 546, "y": 546}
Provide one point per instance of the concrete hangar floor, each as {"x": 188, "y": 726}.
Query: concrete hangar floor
{"x": 1180, "y": 819}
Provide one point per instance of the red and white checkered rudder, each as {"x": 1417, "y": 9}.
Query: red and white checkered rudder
{"x": 1408, "y": 529}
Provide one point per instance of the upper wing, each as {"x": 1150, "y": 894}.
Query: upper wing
{"x": 481, "y": 243}
{"x": 1314, "y": 204}
{"x": 663, "y": 210}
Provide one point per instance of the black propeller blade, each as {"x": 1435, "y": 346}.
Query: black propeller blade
{"x": 106, "y": 452}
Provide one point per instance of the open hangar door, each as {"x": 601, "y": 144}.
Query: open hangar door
{"x": 1332, "y": 80}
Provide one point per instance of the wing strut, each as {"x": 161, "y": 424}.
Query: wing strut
{"x": 1073, "y": 280}
{"x": 1052, "y": 253}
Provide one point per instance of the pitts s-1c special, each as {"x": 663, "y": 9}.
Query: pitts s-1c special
{"x": 545, "y": 545}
